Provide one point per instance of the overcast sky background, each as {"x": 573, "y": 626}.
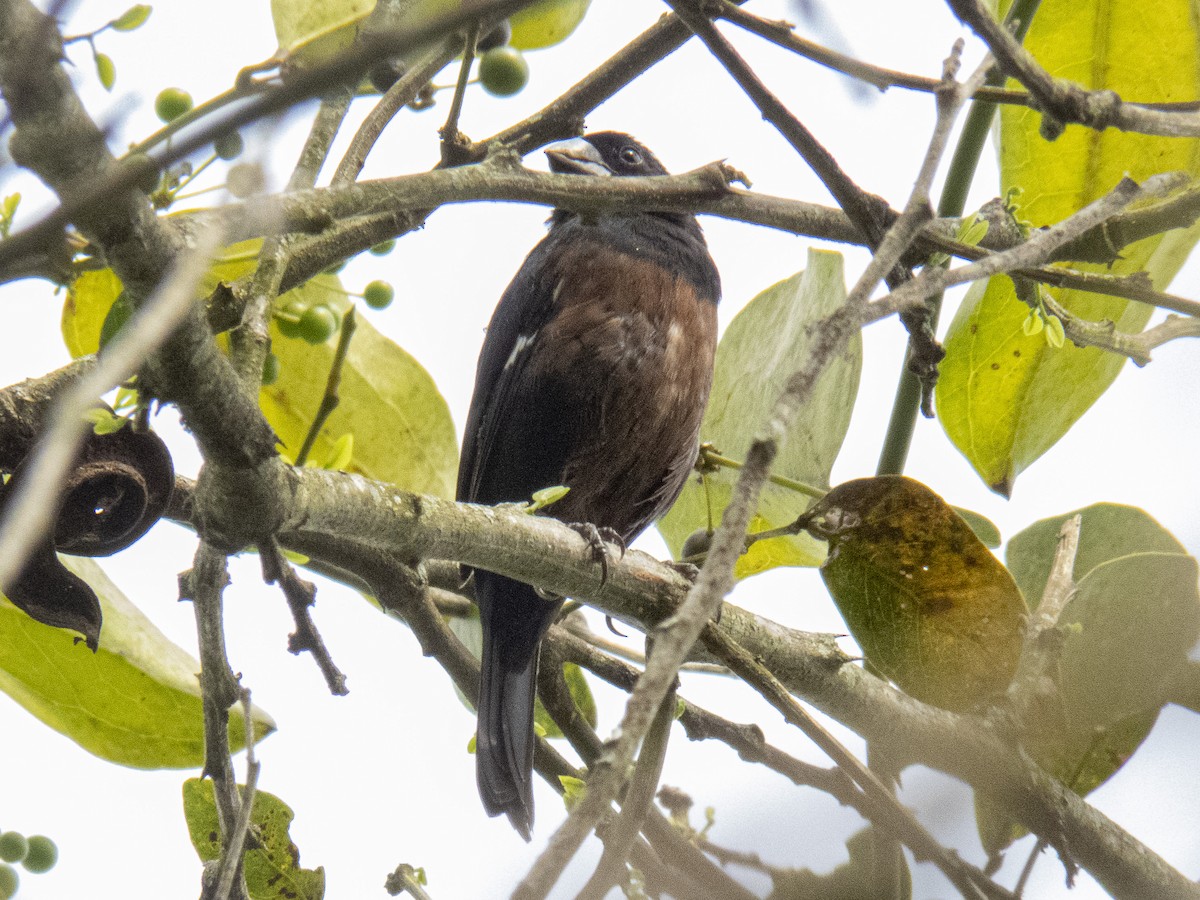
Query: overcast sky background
{"x": 382, "y": 776}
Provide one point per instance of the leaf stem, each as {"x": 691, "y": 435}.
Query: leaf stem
{"x": 710, "y": 457}
{"x": 976, "y": 126}
{"x": 330, "y": 401}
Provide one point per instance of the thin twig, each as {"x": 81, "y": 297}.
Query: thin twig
{"x": 34, "y": 503}
{"x": 918, "y": 211}
{"x": 330, "y": 399}
{"x": 1063, "y": 101}
{"x": 219, "y": 690}
{"x": 399, "y": 95}
{"x": 885, "y": 808}
{"x": 453, "y": 142}
{"x": 330, "y": 114}
{"x": 231, "y": 853}
{"x": 620, "y": 837}
{"x": 300, "y": 596}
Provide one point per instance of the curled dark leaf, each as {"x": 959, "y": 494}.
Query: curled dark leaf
{"x": 119, "y": 488}
{"x": 46, "y": 591}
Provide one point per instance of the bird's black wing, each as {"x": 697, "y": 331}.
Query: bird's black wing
{"x": 522, "y": 425}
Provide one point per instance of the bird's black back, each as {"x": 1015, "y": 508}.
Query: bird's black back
{"x": 594, "y": 375}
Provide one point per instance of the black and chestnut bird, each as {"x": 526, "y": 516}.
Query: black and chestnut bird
{"x": 594, "y": 375}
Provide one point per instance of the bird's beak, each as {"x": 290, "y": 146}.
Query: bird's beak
{"x": 576, "y": 157}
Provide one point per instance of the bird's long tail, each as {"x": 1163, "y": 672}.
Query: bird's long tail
{"x": 514, "y": 619}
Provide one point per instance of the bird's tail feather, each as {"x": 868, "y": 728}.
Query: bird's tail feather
{"x": 504, "y": 740}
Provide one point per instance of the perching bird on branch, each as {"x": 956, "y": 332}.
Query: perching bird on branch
{"x": 594, "y": 375}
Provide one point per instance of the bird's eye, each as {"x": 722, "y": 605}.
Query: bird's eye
{"x": 630, "y": 156}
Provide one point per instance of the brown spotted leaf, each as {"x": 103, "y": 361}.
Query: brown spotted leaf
{"x": 930, "y": 606}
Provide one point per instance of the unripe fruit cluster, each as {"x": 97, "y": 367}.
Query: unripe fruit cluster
{"x": 316, "y": 323}
{"x": 36, "y": 854}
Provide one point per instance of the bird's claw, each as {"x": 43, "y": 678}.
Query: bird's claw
{"x": 599, "y": 540}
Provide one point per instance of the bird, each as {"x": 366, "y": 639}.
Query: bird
{"x": 594, "y": 375}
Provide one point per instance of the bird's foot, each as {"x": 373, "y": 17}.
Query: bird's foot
{"x": 599, "y": 539}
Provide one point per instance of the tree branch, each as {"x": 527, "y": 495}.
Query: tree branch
{"x": 1062, "y": 101}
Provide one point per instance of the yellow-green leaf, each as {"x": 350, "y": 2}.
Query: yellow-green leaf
{"x": 547, "y": 23}
{"x": 106, "y": 70}
{"x": 769, "y": 340}
{"x": 1006, "y": 396}
{"x": 401, "y": 425}
{"x": 314, "y": 31}
{"x": 88, "y": 300}
{"x": 1128, "y": 628}
{"x": 932, "y": 609}
{"x": 272, "y": 860}
{"x": 134, "y": 17}
{"x": 93, "y": 293}
{"x": 136, "y": 701}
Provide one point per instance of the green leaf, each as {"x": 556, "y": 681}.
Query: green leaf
{"x": 1005, "y": 397}
{"x": 931, "y": 608}
{"x": 88, "y": 301}
{"x": 1107, "y": 531}
{"x": 1127, "y": 631}
{"x": 581, "y": 693}
{"x": 985, "y": 529}
{"x": 547, "y": 23}
{"x": 769, "y": 340}
{"x": 271, "y": 860}
{"x": 132, "y": 18}
{"x": 135, "y": 702}
{"x": 93, "y": 293}
{"x": 402, "y": 429}
{"x": 106, "y": 70}
{"x": 8, "y": 210}
{"x": 574, "y": 790}
{"x": 1137, "y": 617}
{"x": 401, "y": 426}
{"x": 314, "y": 31}
{"x": 546, "y": 497}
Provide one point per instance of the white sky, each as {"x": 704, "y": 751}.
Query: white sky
{"x": 382, "y": 776}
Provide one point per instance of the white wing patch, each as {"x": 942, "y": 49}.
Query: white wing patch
{"x": 523, "y": 342}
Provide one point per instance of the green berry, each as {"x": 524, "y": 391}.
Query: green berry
{"x": 43, "y": 854}
{"x": 697, "y": 542}
{"x": 9, "y": 882}
{"x": 379, "y": 294}
{"x": 383, "y": 248}
{"x": 245, "y": 179}
{"x": 289, "y": 318}
{"x": 318, "y": 324}
{"x": 503, "y": 71}
{"x": 171, "y": 103}
{"x": 13, "y": 846}
{"x": 230, "y": 146}
{"x": 384, "y": 74}
{"x": 270, "y": 372}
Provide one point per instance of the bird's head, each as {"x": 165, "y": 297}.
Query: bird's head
{"x": 603, "y": 153}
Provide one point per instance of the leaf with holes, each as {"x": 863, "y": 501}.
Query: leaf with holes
{"x": 272, "y": 860}
{"x": 930, "y": 606}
